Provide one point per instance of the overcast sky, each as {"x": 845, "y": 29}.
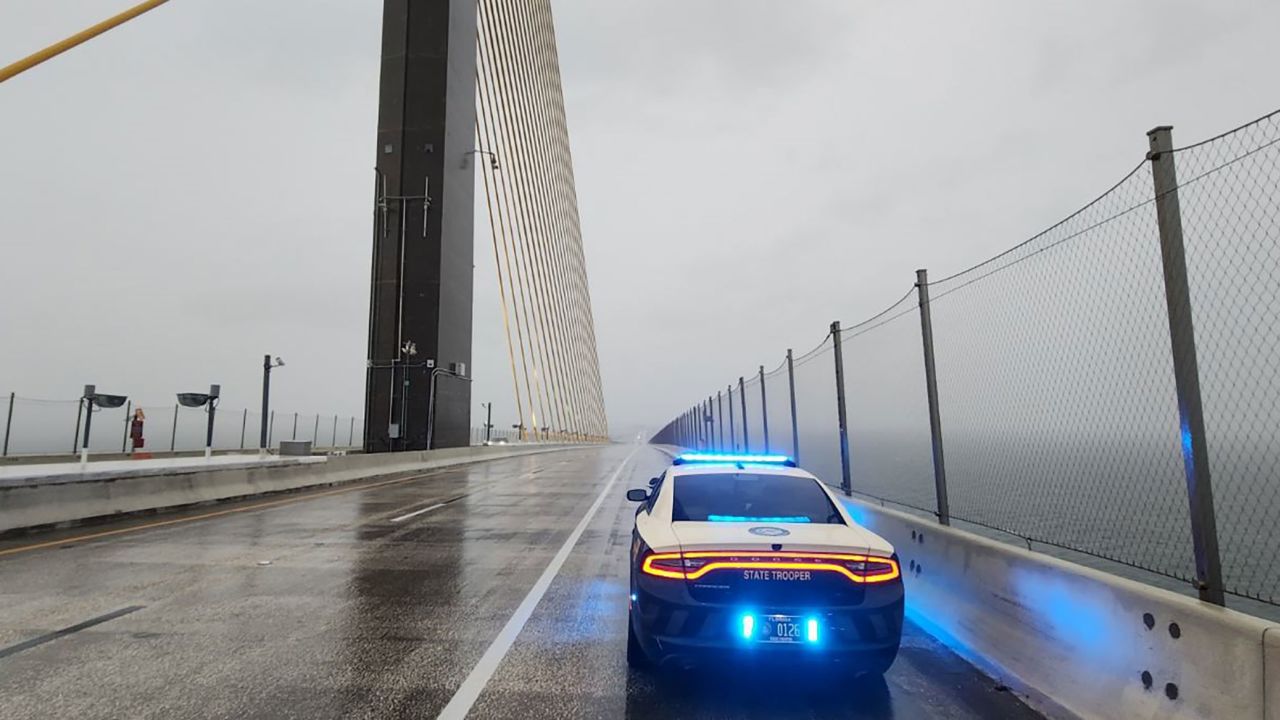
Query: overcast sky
{"x": 193, "y": 190}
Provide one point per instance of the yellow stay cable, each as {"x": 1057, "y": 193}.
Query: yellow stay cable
{"x": 58, "y": 48}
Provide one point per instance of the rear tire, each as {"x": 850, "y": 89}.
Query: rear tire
{"x": 879, "y": 663}
{"x": 637, "y": 658}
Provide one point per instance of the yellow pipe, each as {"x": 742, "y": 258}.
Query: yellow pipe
{"x": 58, "y": 48}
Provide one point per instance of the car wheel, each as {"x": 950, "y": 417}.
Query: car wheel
{"x": 879, "y": 663}
{"x": 636, "y": 657}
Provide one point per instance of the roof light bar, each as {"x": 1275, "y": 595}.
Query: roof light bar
{"x": 734, "y": 458}
{"x": 746, "y": 519}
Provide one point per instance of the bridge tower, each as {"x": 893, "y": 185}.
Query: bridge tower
{"x": 419, "y": 354}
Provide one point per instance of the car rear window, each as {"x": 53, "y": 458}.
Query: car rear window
{"x": 751, "y": 497}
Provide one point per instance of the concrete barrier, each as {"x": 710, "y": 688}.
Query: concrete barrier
{"x": 1080, "y": 642}
{"x": 67, "y": 501}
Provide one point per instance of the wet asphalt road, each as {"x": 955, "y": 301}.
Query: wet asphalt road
{"x": 335, "y": 604}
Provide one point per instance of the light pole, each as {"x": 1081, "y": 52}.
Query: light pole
{"x": 208, "y": 401}
{"x": 493, "y": 158}
{"x": 409, "y": 349}
{"x": 488, "y": 420}
{"x": 267, "y": 364}
{"x": 91, "y": 399}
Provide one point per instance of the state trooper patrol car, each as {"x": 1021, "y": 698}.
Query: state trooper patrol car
{"x": 750, "y": 556}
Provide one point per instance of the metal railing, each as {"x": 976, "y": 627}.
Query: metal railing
{"x": 1111, "y": 386}
{"x": 41, "y": 427}
{"x": 34, "y": 426}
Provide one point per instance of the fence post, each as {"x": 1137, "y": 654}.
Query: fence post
{"x": 846, "y": 482}
{"x": 333, "y": 439}
{"x": 124, "y": 440}
{"x": 704, "y": 420}
{"x": 1186, "y": 373}
{"x": 295, "y": 427}
{"x": 931, "y": 388}
{"x": 709, "y": 422}
{"x": 701, "y": 410}
{"x": 244, "y": 422}
{"x": 173, "y": 434}
{"x": 351, "y": 436}
{"x": 733, "y": 437}
{"x": 795, "y": 428}
{"x": 764, "y": 411}
{"x": 720, "y": 417}
{"x": 742, "y": 396}
{"x": 8, "y": 423}
{"x": 315, "y": 432}
{"x": 271, "y": 429}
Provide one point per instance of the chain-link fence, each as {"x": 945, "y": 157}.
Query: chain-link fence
{"x": 34, "y": 426}
{"x": 1094, "y": 390}
{"x": 1230, "y": 213}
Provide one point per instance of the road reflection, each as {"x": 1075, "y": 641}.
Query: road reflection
{"x": 757, "y": 692}
{"x": 403, "y": 577}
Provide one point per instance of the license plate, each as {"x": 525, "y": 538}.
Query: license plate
{"x": 781, "y": 629}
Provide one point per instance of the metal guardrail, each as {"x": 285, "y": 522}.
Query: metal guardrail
{"x": 1110, "y": 386}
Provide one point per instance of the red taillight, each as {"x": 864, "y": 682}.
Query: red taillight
{"x": 693, "y": 565}
{"x": 874, "y": 569}
{"x": 665, "y": 565}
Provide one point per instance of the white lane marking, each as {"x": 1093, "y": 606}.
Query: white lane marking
{"x": 416, "y": 513}
{"x": 471, "y": 688}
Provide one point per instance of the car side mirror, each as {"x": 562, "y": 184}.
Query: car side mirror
{"x": 637, "y": 495}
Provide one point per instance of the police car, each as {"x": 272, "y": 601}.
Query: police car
{"x": 748, "y": 556}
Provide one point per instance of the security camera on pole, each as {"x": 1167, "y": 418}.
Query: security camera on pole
{"x": 267, "y": 364}
{"x": 488, "y": 422}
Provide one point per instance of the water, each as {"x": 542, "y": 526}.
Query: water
{"x": 1106, "y": 502}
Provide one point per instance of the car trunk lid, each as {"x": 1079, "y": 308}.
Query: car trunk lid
{"x": 756, "y": 576}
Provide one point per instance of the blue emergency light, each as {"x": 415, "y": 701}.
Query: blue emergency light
{"x": 734, "y": 459}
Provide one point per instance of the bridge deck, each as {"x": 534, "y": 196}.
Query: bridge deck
{"x": 340, "y": 603}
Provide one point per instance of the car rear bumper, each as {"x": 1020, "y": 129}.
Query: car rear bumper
{"x": 674, "y": 627}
